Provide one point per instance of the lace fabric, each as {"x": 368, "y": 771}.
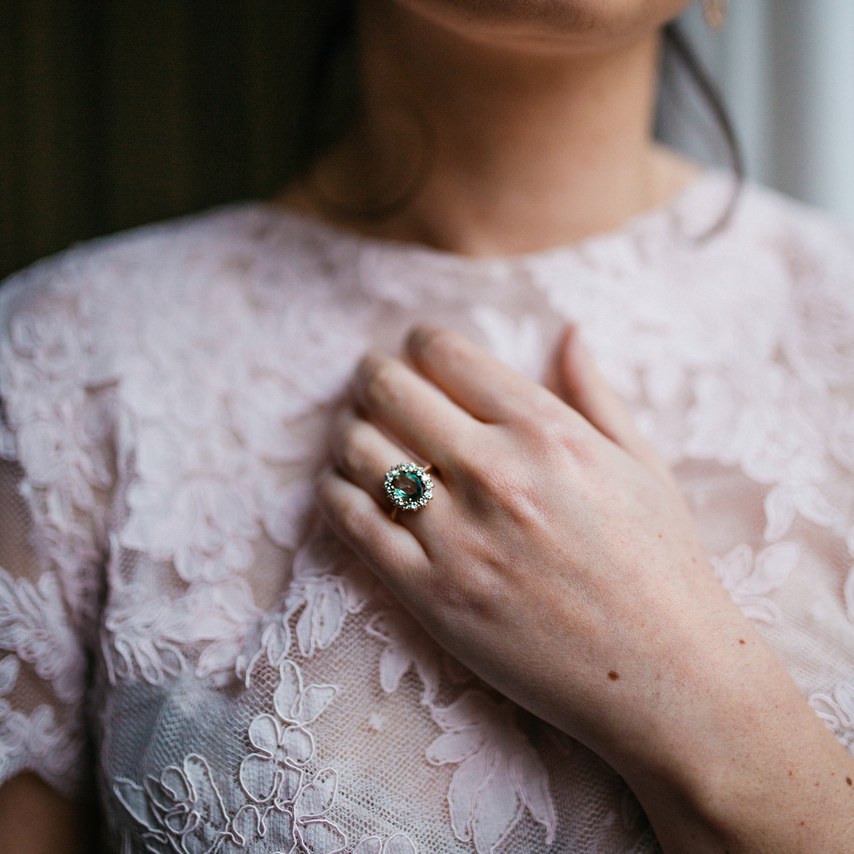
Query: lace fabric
{"x": 169, "y": 593}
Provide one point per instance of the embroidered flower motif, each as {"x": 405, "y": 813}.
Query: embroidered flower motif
{"x": 147, "y": 635}
{"x": 182, "y": 810}
{"x": 251, "y": 830}
{"x": 316, "y": 834}
{"x": 284, "y": 509}
{"x": 44, "y": 347}
{"x": 837, "y": 711}
{"x": 819, "y": 338}
{"x": 33, "y": 625}
{"x": 181, "y": 509}
{"x": 274, "y": 645}
{"x": 10, "y": 743}
{"x": 399, "y": 843}
{"x": 328, "y": 584}
{"x": 749, "y": 581}
{"x": 499, "y": 774}
{"x": 800, "y": 493}
{"x": 262, "y": 412}
{"x": 275, "y": 771}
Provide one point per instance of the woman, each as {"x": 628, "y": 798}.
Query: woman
{"x": 543, "y": 656}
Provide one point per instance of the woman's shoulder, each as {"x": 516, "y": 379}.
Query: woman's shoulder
{"x": 170, "y": 252}
{"x": 812, "y": 252}
{"x": 803, "y": 235}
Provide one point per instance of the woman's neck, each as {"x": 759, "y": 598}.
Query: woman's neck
{"x": 511, "y": 148}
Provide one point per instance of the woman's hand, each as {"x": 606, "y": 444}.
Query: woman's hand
{"x": 557, "y": 559}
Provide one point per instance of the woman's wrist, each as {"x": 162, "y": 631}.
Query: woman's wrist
{"x": 741, "y": 763}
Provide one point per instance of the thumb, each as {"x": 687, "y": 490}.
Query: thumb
{"x": 584, "y": 388}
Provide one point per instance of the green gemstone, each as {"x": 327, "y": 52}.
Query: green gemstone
{"x": 407, "y": 487}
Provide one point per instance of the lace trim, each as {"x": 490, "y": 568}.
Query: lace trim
{"x": 285, "y": 809}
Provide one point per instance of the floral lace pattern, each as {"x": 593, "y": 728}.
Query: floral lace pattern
{"x": 165, "y": 400}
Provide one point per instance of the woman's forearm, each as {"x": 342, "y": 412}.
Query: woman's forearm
{"x": 756, "y": 771}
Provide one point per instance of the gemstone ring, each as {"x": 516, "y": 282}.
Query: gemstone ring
{"x": 409, "y": 486}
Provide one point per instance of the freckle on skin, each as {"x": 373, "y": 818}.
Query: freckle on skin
{"x": 613, "y": 675}
{"x": 791, "y": 774}
{"x": 742, "y": 641}
{"x": 848, "y": 780}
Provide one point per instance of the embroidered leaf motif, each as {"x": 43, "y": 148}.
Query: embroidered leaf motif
{"x": 837, "y": 711}
{"x": 328, "y": 584}
{"x": 9, "y": 667}
{"x": 135, "y": 801}
{"x": 499, "y": 774}
{"x": 319, "y": 836}
{"x": 407, "y": 646}
{"x": 34, "y": 626}
{"x": 749, "y": 581}
{"x": 298, "y": 705}
{"x": 317, "y": 797}
{"x": 399, "y": 843}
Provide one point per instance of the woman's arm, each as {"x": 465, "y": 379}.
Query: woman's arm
{"x": 745, "y": 766}
{"x": 559, "y": 561}
{"x": 34, "y": 819}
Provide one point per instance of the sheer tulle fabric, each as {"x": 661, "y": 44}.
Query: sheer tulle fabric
{"x": 179, "y": 624}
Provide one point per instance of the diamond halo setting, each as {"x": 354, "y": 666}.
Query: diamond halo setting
{"x": 408, "y": 486}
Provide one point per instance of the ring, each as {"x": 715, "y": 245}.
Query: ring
{"x": 409, "y": 486}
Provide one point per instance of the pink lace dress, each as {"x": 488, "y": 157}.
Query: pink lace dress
{"x": 178, "y": 625}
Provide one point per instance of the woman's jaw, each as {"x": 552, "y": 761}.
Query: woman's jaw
{"x": 560, "y": 26}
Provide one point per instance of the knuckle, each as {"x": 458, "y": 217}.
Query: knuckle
{"x": 351, "y": 517}
{"x": 469, "y": 591}
{"x": 379, "y": 380}
{"x": 513, "y": 488}
{"x": 428, "y": 341}
{"x": 557, "y": 435}
{"x": 350, "y": 450}
{"x": 543, "y": 408}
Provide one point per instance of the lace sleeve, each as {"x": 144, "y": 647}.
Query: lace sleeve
{"x": 54, "y": 479}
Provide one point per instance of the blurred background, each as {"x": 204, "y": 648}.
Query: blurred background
{"x": 113, "y": 114}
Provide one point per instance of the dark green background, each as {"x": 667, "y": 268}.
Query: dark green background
{"x": 116, "y": 113}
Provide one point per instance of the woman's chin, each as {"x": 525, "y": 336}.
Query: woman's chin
{"x": 558, "y": 22}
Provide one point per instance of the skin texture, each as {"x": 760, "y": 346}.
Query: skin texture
{"x": 36, "y": 820}
{"x": 558, "y": 561}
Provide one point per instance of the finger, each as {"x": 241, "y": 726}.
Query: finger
{"x": 414, "y": 412}
{"x": 363, "y": 455}
{"x": 586, "y": 390}
{"x": 478, "y": 382}
{"x": 390, "y": 549}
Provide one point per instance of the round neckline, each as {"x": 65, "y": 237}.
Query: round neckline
{"x": 664, "y": 215}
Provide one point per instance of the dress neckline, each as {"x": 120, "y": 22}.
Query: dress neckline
{"x": 689, "y": 214}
